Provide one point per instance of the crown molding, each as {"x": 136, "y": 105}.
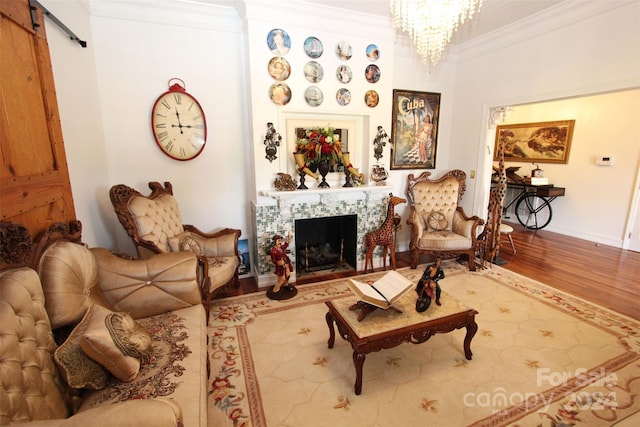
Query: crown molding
{"x": 185, "y": 13}
{"x": 320, "y": 18}
{"x": 551, "y": 19}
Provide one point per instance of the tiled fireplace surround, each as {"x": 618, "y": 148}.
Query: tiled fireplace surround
{"x": 278, "y": 211}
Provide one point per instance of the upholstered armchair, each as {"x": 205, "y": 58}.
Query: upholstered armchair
{"x": 439, "y": 226}
{"x": 155, "y": 225}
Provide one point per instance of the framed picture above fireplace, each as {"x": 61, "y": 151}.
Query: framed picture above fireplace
{"x": 348, "y": 129}
{"x": 414, "y": 132}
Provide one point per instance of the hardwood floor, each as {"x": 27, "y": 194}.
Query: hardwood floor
{"x": 602, "y": 274}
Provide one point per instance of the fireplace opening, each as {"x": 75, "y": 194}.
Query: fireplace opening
{"x": 325, "y": 244}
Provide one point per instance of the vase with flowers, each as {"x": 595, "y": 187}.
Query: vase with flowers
{"x": 318, "y": 149}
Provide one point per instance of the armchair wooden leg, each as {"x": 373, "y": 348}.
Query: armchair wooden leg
{"x": 415, "y": 256}
{"x": 207, "y": 300}
{"x": 472, "y": 260}
{"x": 236, "y": 280}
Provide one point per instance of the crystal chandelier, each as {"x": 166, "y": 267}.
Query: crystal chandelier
{"x": 431, "y": 23}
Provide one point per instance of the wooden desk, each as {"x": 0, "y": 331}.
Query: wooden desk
{"x": 387, "y": 329}
{"x": 540, "y": 190}
{"x": 532, "y": 203}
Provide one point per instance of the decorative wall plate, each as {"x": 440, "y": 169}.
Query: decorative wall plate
{"x": 343, "y": 96}
{"x": 313, "y": 95}
{"x": 344, "y": 73}
{"x": 278, "y": 41}
{"x": 313, "y": 47}
{"x": 280, "y": 93}
{"x": 343, "y": 50}
{"x": 373, "y": 53}
{"x": 371, "y": 98}
{"x": 313, "y": 71}
{"x": 279, "y": 68}
{"x": 372, "y": 73}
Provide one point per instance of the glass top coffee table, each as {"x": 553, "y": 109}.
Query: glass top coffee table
{"x": 387, "y": 328}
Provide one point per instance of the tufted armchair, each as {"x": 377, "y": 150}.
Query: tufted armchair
{"x": 155, "y": 225}
{"x": 439, "y": 226}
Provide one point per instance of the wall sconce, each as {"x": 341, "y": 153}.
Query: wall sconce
{"x": 379, "y": 142}
{"x": 272, "y": 141}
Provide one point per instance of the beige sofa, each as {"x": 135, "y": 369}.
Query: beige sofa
{"x": 65, "y": 340}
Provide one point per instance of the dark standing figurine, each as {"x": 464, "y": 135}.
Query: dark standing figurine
{"x": 428, "y": 287}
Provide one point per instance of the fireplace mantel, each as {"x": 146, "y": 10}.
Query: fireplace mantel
{"x": 277, "y": 211}
{"x": 327, "y": 196}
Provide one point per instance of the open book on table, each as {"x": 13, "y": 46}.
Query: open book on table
{"x": 384, "y": 292}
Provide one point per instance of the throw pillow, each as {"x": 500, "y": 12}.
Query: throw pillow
{"x": 437, "y": 221}
{"x": 117, "y": 343}
{"x": 69, "y": 281}
{"x": 184, "y": 242}
{"x": 78, "y": 369}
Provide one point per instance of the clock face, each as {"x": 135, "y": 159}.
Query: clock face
{"x": 178, "y": 124}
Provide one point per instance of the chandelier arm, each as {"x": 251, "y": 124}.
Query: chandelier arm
{"x": 432, "y": 23}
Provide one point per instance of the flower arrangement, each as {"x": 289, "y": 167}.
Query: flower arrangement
{"x": 318, "y": 145}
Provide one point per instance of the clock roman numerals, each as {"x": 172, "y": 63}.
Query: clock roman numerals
{"x": 179, "y": 125}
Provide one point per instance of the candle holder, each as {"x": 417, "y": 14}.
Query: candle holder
{"x": 379, "y": 142}
{"x": 272, "y": 141}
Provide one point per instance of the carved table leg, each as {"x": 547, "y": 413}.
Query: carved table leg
{"x": 358, "y": 362}
{"x": 332, "y": 332}
{"x": 472, "y": 328}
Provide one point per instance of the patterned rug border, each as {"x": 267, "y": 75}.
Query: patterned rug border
{"x": 624, "y": 328}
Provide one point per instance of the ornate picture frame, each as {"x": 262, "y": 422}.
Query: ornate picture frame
{"x": 414, "y": 132}
{"x": 543, "y": 142}
{"x": 350, "y": 130}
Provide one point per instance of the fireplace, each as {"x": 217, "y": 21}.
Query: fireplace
{"x": 326, "y": 243}
{"x": 360, "y": 209}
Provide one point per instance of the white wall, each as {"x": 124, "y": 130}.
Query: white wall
{"x": 606, "y": 124}
{"x": 411, "y": 74}
{"x": 330, "y": 27}
{"x": 78, "y": 102}
{"x": 594, "y": 49}
{"x": 139, "y": 48}
{"x": 221, "y": 54}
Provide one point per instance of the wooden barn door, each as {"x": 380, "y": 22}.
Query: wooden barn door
{"x": 34, "y": 180}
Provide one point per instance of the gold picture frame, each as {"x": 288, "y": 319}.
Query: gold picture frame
{"x": 414, "y": 132}
{"x": 543, "y": 142}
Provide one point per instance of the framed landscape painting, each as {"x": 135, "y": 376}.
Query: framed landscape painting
{"x": 544, "y": 142}
{"x": 414, "y": 132}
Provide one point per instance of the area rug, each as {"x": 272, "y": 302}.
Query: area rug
{"x": 540, "y": 358}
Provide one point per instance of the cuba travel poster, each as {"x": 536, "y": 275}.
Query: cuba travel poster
{"x": 414, "y": 135}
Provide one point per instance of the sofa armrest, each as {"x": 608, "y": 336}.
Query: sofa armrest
{"x": 220, "y": 243}
{"x": 143, "y": 288}
{"x": 133, "y": 413}
{"x": 417, "y": 227}
{"x": 465, "y": 225}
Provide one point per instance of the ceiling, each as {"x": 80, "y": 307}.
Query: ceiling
{"x": 493, "y": 14}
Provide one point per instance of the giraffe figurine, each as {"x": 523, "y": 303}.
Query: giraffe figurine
{"x": 383, "y": 236}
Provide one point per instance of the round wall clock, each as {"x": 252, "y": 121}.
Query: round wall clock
{"x": 178, "y": 123}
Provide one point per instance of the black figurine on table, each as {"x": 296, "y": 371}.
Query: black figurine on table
{"x": 428, "y": 287}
